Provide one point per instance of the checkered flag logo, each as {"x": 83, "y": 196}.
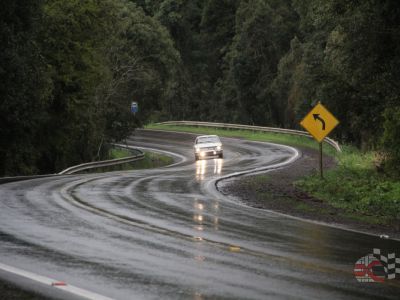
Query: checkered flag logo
{"x": 390, "y": 263}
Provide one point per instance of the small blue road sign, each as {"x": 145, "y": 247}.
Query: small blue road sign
{"x": 134, "y": 107}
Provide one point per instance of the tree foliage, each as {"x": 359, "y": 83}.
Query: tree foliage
{"x": 69, "y": 70}
{"x": 22, "y": 79}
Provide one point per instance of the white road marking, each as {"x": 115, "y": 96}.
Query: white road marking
{"x": 212, "y": 185}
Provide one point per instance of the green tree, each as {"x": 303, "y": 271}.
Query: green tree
{"x": 391, "y": 139}
{"x": 23, "y": 87}
{"x": 263, "y": 33}
{"x": 143, "y": 64}
{"x": 73, "y": 36}
{"x": 103, "y": 55}
{"x": 217, "y": 29}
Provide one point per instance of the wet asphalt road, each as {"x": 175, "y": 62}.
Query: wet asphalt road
{"x": 168, "y": 234}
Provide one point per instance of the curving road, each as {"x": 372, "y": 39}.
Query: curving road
{"x": 168, "y": 234}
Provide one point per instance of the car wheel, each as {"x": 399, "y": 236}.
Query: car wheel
{"x": 196, "y": 157}
{"x": 221, "y": 155}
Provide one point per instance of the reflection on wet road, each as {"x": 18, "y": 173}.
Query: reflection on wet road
{"x": 166, "y": 234}
{"x": 214, "y": 167}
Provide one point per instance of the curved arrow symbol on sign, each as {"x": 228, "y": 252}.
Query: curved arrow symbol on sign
{"x": 317, "y": 117}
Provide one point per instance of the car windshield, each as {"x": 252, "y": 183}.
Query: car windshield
{"x": 209, "y": 139}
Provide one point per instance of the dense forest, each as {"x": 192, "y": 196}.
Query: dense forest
{"x": 70, "y": 69}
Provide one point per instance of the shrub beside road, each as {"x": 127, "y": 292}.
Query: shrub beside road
{"x": 357, "y": 186}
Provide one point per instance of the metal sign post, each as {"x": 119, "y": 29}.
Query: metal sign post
{"x": 321, "y": 172}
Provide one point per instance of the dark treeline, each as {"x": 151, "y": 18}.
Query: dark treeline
{"x": 68, "y": 73}
{"x": 69, "y": 70}
{"x": 267, "y": 62}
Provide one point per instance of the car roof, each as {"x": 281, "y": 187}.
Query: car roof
{"x": 207, "y": 136}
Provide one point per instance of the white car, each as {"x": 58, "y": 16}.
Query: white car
{"x": 207, "y": 145}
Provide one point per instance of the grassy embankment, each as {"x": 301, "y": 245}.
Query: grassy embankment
{"x": 151, "y": 160}
{"x": 355, "y": 185}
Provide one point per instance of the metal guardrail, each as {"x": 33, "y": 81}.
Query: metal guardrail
{"x": 21, "y": 178}
{"x": 81, "y": 167}
{"x": 329, "y": 141}
{"x": 104, "y": 163}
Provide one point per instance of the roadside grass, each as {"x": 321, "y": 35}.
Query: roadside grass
{"x": 259, "y": 136}
{"x": 115, "y": 153}
{"x": 304, "y": 207}
{"x": 355, "y": 186}
{"x": 358, "y": 188}
{"x": 150, "y": 160}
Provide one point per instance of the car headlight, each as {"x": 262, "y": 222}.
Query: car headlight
{"x": 197, "y": 149}
{"x": 219, "y": 148}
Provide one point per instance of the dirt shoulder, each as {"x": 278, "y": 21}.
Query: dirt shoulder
{"x": 275, "y": 190}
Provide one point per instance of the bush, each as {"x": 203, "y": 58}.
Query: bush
{"x": 356, "y": 186}
{"x": 391, "y": 140}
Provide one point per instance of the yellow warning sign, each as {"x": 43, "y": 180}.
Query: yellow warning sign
{"x": 319, "y": 122}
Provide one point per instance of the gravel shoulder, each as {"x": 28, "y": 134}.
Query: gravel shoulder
{"x": 275, "y": 190}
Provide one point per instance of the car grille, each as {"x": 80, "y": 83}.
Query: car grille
{"x": 208, "y": 149}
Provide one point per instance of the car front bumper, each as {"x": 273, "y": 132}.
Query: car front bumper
{"x": 208, "y": 153}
